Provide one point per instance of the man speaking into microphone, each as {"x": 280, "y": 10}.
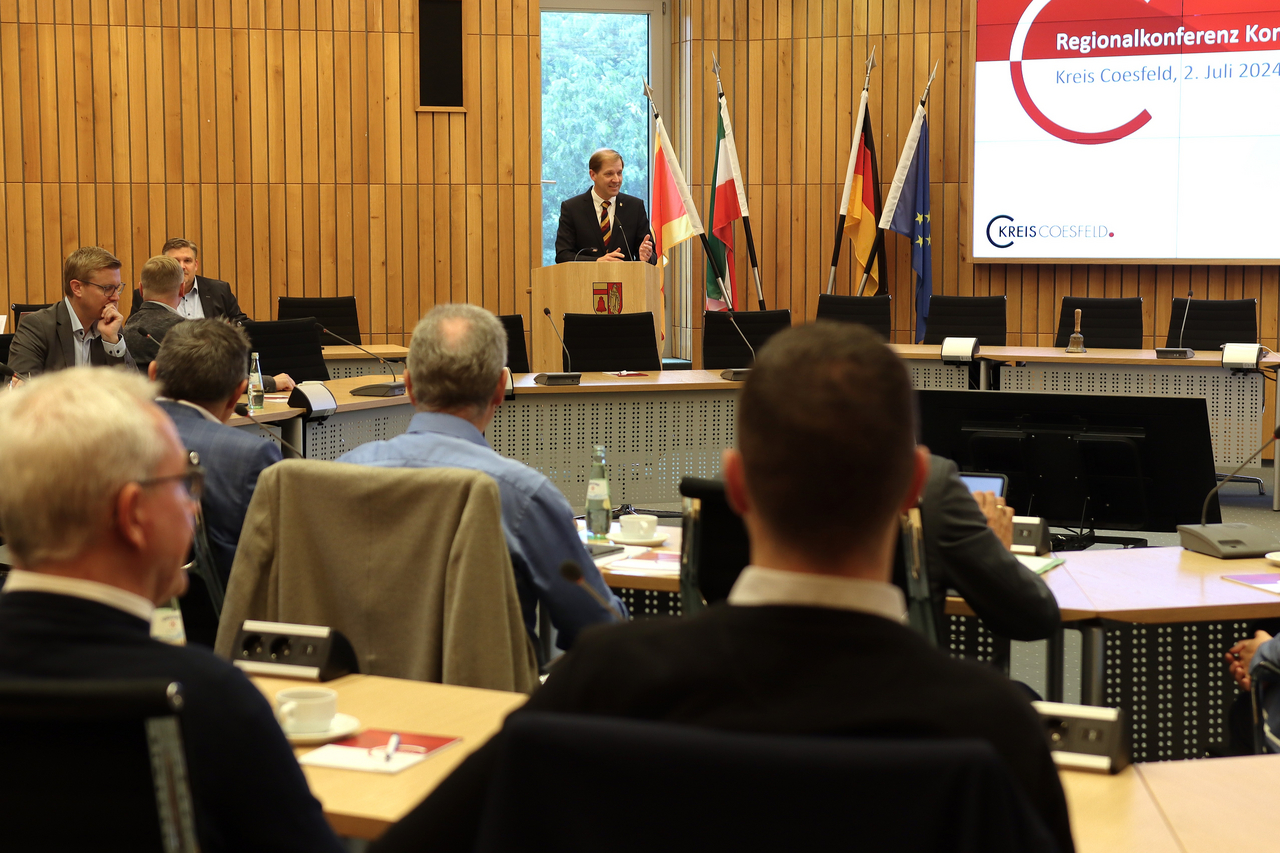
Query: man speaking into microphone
{"x": 604, "y": 224}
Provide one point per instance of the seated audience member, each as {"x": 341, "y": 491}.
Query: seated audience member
{"x": 1246, "y": 735}
{"x": 966, "y": 547}
{"x": 81, "y": 329}
{"x": 811, "y": 640}
{"x": 97, "y": 509}
{"x": 161, "y": 284}
{"x": 202, "y": 368}
{"x": 454, "y": 375}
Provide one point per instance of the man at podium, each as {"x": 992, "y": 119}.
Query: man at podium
{"x": 604, "y": 224}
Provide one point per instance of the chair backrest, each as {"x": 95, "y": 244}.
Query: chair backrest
{"x": 94, "y": 760}
{"x": 873, "y": 311}
{"x": 981, "y": 317}
{"x": 1212, "y": 323}
{"x": 6, "y": 341}
{"x": 1104, "y": 323}
{"x": 336, "y": 313}
{"x": 19, "y": 309}
{"x": 599, "y": 342}
{"x": 716, "y": 547}
{"x": 517, "y": 352}
{"x": 723, "y": 347}
{"x": 800, "y": 793}
{"x": 289, "y": 346}
{"x": 427, "y": 592}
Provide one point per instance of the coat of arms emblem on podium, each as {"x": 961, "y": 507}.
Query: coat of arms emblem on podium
{"x": 608, "y": 297}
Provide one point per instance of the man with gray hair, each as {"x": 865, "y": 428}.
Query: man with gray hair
{"x": 456, "y": 381}
{"x": 97, "y": 508}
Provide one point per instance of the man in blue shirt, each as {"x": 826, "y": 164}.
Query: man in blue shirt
{"x": 456, "y": 382}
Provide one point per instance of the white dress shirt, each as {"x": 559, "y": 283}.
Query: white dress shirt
{"x": 758, "y": 586}
{"x": 112, "y": 596}
{"x": 83, "y": 338}
{"x": 190, "y": 306}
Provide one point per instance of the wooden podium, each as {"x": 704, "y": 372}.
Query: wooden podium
{"x": 616, "y": 287}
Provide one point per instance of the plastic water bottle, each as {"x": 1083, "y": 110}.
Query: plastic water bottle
{"x": 257, "y": 391}
{"x": 599, "y": 510}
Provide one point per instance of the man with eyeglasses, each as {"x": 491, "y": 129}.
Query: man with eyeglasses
{"x": 97, "y": 509}
{"x": 84, "y": 328}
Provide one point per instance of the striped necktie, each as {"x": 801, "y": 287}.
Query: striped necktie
{"x": 605, "y": 230}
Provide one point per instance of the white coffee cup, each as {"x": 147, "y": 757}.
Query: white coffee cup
{"x": 306, "y": 710}
{"x": 638, "y": 526}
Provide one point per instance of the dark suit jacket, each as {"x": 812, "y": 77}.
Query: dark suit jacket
{"x": 771, "y": 670}
{"x": 149, "y": 318}
{"x": 44, "y": 341}
{"x": 232, "y": 460}
{"x": 580, "y": 229}
{"x": 247, "y": 788}
{"x": 963, "y": 553}
{"x": 216, "y": 299}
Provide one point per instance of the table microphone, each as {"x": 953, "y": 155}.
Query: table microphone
{"x": 566, "y": 378}
{"x": 590, "y": 249}
{"x": 1236, "y": 539}
{"x": 572, "y": 572}
{"x": 394, "y": 388}
{"x": 243, "y": 411}
{"x": 1180, "y": 351}
{"x": 738, "y": 374}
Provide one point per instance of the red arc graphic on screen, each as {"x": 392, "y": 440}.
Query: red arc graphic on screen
{"x": 1079, "y": 137}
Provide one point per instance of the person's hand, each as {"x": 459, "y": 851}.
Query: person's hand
{"x": 14, "y": 382}
{"x": 646, "y": 248}
{"x": 999, "y": 516}
{"x": 1239, "y": 656}
{"x": 615, "y": 255}
{"x": 284, "y": 382}
{"x": 109, "y": 323}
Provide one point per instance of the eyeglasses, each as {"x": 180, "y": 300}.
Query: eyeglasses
{"x": 107, "y": 289}
{"x": 192, "y": 479}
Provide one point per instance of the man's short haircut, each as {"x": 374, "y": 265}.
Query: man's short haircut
{"x": 84, "y": 262}
{"x": 202, "y": 361}
{"x": 69, "y": 441}
{"x": 603, "y": 156}
{"x": 160, "y": 276}
{"x": 455, "y": 357}
{"x": 826, "y": 427}
{"x": 179, "y": 243}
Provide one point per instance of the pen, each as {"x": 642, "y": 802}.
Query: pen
{"x": 393, "y": 744}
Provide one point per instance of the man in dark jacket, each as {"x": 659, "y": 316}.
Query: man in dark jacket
{"x": 603, "y": 224}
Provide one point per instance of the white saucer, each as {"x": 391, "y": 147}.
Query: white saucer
{"x": 619, "y": 539}
{"x": 1273, "y": 558}
{"x": 342, "y": 725}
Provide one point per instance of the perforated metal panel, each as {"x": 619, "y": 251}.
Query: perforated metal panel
{"x": 652, "y": 440}
{"x": 347, "y": 430}
{"x": 1234, "y": 400}
{"x": 645, "y": 603}
{"x": 935, "y": 374}
{"x": 348, "y": 367}
{"x": 253, "y": 429}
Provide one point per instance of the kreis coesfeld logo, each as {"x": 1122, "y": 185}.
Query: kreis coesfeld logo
{"x": 1003, "y": 231}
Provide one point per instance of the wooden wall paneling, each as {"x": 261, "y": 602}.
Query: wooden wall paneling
{"x": 406, "y": 107}
{"x": 377, "y": 261}
{"x": 406, "y": 315}
{"x": 309, "y": 284}
{"x": 457, "y": 275}
{"x": 343, "y": 236}
{"x": 361, "y": 229}
{"x": 393, "y": 266}
{"x": 308, "y": 80}
{"x": 291, "y": 117}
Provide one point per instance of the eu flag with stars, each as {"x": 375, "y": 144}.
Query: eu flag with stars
{"x": 912, "y": 218}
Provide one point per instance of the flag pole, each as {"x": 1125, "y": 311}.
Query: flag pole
{"x": 732, "y": 146}
{"x": 848, "y": 177}
{"x": 683, "y": 187}
{"x": 904, "y": 160}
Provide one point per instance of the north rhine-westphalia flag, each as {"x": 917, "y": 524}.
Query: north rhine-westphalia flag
{"x": 728, "y": 204}
{"x": 860, "y": 224}
{"x": 907, "y": 212}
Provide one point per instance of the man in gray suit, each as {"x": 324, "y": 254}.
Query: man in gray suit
{"x": 83, "y": 328}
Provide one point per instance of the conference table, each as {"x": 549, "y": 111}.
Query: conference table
{"x": 1169, "y": 806}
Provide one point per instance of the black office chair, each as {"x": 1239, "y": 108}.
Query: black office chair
{"x": 289, "y": 346}
{"x": 981, "y": 317}
{"x": 94, "y": 763}
{"x": 716, "y": 546}
{"x": 517, "y": 352}
{"x": 335, "y": 313}
{"x": 723, "y": 347}
{"x": 875, "y": 312}
{"x": 1105, "y": 323}
{"x": 600, "y": 342}
{"x": 17, "y": 309}
{"x": 736, "y": 791}
{"x": 6, "y": 340}
{"x": 1212, "y": 323}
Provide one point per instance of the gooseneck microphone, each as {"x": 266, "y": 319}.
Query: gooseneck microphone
{"x": 572, "y": 572}
{"x": 6, "y": 371}
{"x": 593, "y": 250}
{"x": 394, "y": 388}
{"x": 1180, "y": 351}
{"x": 243, "y": 411}
{"x": 566, "y": 378}
{"x": 737, "y": 374}
{"x": 1227, "y": 540}
{"x": 618, "y": 225}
